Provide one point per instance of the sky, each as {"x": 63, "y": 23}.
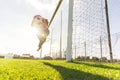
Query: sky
{"x": 17, "y": 35}
{"x": 114, "y": 15}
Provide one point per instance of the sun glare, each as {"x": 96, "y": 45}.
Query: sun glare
{"x": 43, "y": 5}
{"x": 34, "y": 31}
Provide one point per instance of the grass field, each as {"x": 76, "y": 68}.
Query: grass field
{"x": 16, "y": 69}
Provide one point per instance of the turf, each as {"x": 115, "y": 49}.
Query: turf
{"x": 18, "y": 69}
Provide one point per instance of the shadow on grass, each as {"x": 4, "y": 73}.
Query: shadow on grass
{"x": 97, "y": 65}
{"x": 72, "y": 74}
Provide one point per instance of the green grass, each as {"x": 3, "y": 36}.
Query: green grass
{"x": 16, "y": 69}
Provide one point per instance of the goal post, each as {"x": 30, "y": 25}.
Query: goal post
{"x": 69, "y": 32}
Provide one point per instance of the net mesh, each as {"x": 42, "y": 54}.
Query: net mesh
{"x": 89, "y": 28}
{"x": 90, "y": 36}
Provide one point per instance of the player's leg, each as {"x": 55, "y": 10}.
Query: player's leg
{"x": 42, "y": 40}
